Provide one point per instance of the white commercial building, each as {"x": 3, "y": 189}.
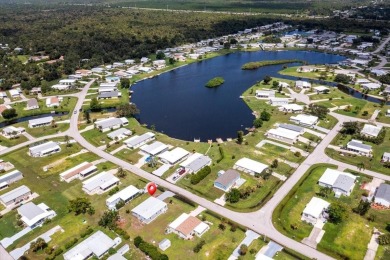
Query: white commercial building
{"x": 44, "y": 121}
{"x": 314, "y": 211}
{"x": 174, "y": 156}
{"x": 149, "y": 210}
{"x": 250, "y": 166}
{"x": 342, "y": 183}
{"x": 35, "y": 215}
{"x": 305, "y": 120}
{"x": 137, "y": 141}
{"x": 100, "y": 183}
{"x": 78, "y": 172}
{"x": 44, "y": 149}
{"x": 97, "y": 245}
{"x": 186, "y": 226}
{"x": 110, "y": 123}
{"x": 125, "y": 195}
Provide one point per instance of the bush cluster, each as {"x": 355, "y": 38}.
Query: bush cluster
{"x": 149, "y": 249}
{"x": 199, "y": 246}
{"x": 200, "y": 175}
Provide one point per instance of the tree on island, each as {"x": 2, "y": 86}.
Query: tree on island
{"x": 215, "y": 82}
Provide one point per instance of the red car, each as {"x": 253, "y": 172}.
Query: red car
{"x": 181, "y": 171}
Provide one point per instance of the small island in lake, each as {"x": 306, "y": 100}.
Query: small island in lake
{"x": 258, "y": 64}
{"x": 215, "y": 82}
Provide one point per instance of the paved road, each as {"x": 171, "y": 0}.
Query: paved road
{"x": 382, "y": 58}
{"x": 260, "y": 221}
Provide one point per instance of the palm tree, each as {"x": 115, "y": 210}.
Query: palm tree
{"x": 66, "y": 140}
{"x": 121, "y": 172}
{"x": 361, "y": 166}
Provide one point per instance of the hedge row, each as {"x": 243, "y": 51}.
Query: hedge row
{"x": 222, "y": 154}
{"x": 149, "y": 249}
{"x": 200, "y": 175}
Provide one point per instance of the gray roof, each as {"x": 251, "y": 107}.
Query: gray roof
{"x": 119, "y": 131}
{"x": 199, "y": 163}
{"x": 43, "y": 147}
{"x": 228, "y": 177}
{"x": 360, "y": 145}
{"x": 30, "y": 210}
{"x": 9, "y": 176}
{"x": 13, "y": 194}
{"x": 383, "y": 192}
{"x": 109, "y": 94}
{"x": 343, "y": 182}
{"x": 139, "y": 139}
{"x": 96, "y": 244}
{"x": 292, "y": 127}
{"x": 32, "y": 102}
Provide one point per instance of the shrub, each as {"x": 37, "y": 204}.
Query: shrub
{"x": 199, "y": 246}
{"x": 120, "y": 204}
{"x": 384, "y": 239}
{"x": 243, "y": 249}
{"x": 149, "y": 249}
{"x": 87, "y": 232}
{"x": 58, "y": 251}
{"x": 113, "y": 191}
{"x": 258, "y": 122}
{"x": 200, "y": 175}
{"x": 222, "y": 153}
{"x": 137, "y": 241}
{"x": 71, "y": 243}
{"x": 265, "y": 116}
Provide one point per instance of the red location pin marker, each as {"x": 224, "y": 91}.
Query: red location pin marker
{"x": 151, "y": 187}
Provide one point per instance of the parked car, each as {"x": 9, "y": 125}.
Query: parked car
{"x": 182, "y": 171}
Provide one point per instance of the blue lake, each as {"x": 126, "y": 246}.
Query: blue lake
{"x": 179, "y": 105}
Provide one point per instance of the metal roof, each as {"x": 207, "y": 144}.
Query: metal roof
{"x": 15, "y": 193}
{"x": 383, "y": 192}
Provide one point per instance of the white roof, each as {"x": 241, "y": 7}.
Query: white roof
{"x": 371, "y": 130}
{"x": 293, "y": 107}
{"x": 251, "y": 165}
{"x": 201, "y": 227}
{"x": 305, "y": 119}
{"x": 278, "y": 99}
{"x": 118, "y": 132}
{"x": 96, "y": 244}
{"x": 359, "y": 146}
{"x": 371, "y": 85}
{"x": 67, "y": 81}
{"x": 149, "y": 207}
{"x": 174, "y": 155}
{"x": 124, "y": 194}
{"x": 154, "y": 148}
{"x": 75, "y": 168}
{"x": 102, "y": 180}
{"x": 45, "y": 147}
{"x": 136, "y": 140}
{"x": 32, "y": 213}
{"x": 190, "y": 159}
{"x": 283, "y": 132}
{"x": 315, "y": 207}
{"x": 38, "y": 121}
{"x": 321, "y": 88}
{"x": 14, "y": 92}
{"x": 160, "y": 171}
{"x": 330, "y": 176}
{"x": 110, "y": 122}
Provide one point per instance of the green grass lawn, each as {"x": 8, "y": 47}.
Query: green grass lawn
{"x": 67, "y": 105}
{"x": 348, "y": 239}
{"x": 373, "y": 163}
{"x": 11, "y": 142}
{"x": 329, "y": 122}
{"x": 292, "y": 71}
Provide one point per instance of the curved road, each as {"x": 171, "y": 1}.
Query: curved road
{"x": 259, "y": 221}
